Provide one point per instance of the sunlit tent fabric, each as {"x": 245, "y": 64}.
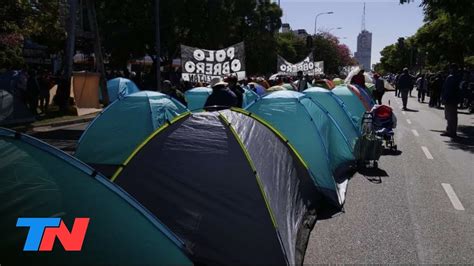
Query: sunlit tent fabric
{"x": 351, "y": 97}
{"x": 12, "y": 104}
{"x": 228, "y": 186}
{"x": 119, "y": 87}
{"x": 313, "y": 132}
{"x": 196, "y": 98}
{"x": 276, "y": 88}
{"x": 113, "y": 135}
{"x": 38, "y": 180}
{"x": 336, "y": 107}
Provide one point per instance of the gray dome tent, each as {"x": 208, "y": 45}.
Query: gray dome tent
{"x": 231, "y": 188}
{"x": 38, "y": 180}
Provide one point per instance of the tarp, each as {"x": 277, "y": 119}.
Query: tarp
{"x": 338, "y": 110}
{"x": 201, "y": 65}
{"x": 38, "y": 180}
{"x": 353, "y": 101}
{"x": 196, "y": 98}
{"x": 115, "y": 133}
{"x": 210, "y": 178}
{"x": 85, "y": 88}
{"x": 313, "y": 132}
{"x": 120, "y": 87}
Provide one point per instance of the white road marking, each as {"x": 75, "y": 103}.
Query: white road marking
{"x": 415, "y": 133}
{"x": 427, "y": 153}
{"x": 403, "y": 112}
{"x": 453, "y": 197}
{"x": 409, "y": 121}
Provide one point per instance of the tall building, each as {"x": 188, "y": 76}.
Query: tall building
{"x": 364, "y": 46}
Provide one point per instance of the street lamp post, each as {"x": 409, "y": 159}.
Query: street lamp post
{"x": 316, "y": 20}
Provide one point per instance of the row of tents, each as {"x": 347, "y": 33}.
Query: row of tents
{"x": 225, "y": 187}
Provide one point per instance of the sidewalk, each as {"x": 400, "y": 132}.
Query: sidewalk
{"x": 54, "y": 122}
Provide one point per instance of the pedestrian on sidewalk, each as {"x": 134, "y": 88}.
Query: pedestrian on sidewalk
{"x": 405, "y": 85}
{"x": 379, "y": 88}
{"x": 450, "y": 99}
{"x": 422, "y": 87}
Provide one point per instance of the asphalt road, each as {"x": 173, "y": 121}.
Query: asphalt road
{"x": 399, "y": 213}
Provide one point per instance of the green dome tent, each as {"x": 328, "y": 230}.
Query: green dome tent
{"x": 196, "y": 98}
{"x": 38, "y": 180}
{"x": 353, "y": 101}
{"x": 336, "y": 107}
{"x": 314, "y": 133}
{"x": 122, "y": 126}
{"x": 211, "y": 179}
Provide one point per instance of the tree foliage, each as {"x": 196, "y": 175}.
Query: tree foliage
{"x": 446, "y": 37}
{"x": 35, "y": 20}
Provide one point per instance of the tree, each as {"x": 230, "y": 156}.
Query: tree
{"x": 38, "y": 21}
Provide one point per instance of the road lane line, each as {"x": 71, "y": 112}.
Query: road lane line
{"x": 415, "y": 133}
{"x": 427, "y": 153}
{"x": 409, "y": 121}
{"x": 403, "y": 112}
{"x": 453, "y": 197}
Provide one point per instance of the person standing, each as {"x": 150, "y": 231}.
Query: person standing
{"x": 221, "y": 95}
{"x": 302, "y": 83}
{"x": 436, "y": 87}
{"x": 422, "y": 87}
{"x": 405, "y": 85}
{"x": 33, "y": 90}
{"x": 236, "y": 89}
{"x": 379, "y": 88}
{"x": 450, "y": 99}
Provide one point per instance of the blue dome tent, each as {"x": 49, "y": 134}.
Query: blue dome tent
{"x": 336, "y": 107}
{"x": 115, "y": 133}
{"x": 313, "y": 132}
{"x": 120, "y": 87}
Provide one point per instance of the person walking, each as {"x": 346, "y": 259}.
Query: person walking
{"x": 379, "y": 88}
{"x": 405, "y": 84}
{"x": 422, "y": 87}
{"x": 450, "y": 99}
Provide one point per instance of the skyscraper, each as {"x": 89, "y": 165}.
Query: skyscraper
{"x": 364, "y": 46}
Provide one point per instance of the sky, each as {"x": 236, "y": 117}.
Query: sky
{"x": 386, "y": 19}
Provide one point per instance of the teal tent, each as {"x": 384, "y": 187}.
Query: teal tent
{"x": 313, "y": 132}
{"x": 249, "y": 97}
{"x": 115, "y": 133}
{"x": 40, "y": 181}
{"x": 120, "y": 87}
{"x": 353, "y": 102}
{"x": 196, "y": 98}
{"x": 338, "y": 110}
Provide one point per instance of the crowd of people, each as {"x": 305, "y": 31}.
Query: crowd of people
{"x": 452, "y": 89}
